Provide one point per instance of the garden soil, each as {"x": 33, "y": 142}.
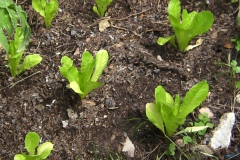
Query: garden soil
{"x": 96, "y": 127}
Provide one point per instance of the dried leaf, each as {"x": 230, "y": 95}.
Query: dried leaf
{"x": 198, "y": 43}
{"x": 77, "y": 51}
{"x": 104, "y": 24}
{"x": 228, "y": 45}
{"x": 88, "y": 103}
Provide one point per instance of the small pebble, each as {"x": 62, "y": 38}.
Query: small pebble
{"x": 73, "y": 32}
{"x": 237, "y": 98}
{"x": 65, "y": 123}
{"x": 156, "y": 71}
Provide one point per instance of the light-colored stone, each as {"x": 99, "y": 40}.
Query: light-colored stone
{"x": 71, "y": 114}
{"x": 128, "y": 148}
{"x": 222, "y": 134}
{"x": 65, "y": 123}
{"x": 237, "y": 98}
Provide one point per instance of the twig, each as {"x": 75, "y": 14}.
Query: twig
{"x": 126, "y": 30}
{"x": 115, "y": 19}
{"x": 13, "y": 84}
{"x": 148, "y": 153}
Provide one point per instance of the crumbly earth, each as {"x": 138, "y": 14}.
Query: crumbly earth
{"x": 39, "y": 100}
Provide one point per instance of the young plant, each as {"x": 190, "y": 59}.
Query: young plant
{"x": 14, "y": 56}
{"x": 32, "y": 140}
{"x": 167, "y": 114}
{"x": 203, "y": 120}
{"x": 237, "y": 42}
{"x": 101, "y": 7}
{"x": 235, "y": 70}
{"x": 187, "y": 27}
{"x": 11, "y": 17}
{"x": 85, "y": 80}
{"x": 171, "y": 150}
{"x": 46, "y": 8}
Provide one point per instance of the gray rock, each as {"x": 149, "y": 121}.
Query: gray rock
{"x": 222, "y": 134}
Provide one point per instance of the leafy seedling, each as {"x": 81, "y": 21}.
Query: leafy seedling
{"x": 85, "y": 80}
{"x": 167, "y": 114}
{"x": 187, "y": 139}
{"x": 171, "y": 150}
{"x": 14, "y": 56}
{"x": 203, "y": 120}
{"x": 32, "y": 140}
{"x": 235, "y": 70}
{"x": 46, "y": 8}
{"x": 186, "y": 27}
{"x": 101, "y": 7}
{"x": 232, "y": 71}
{"x": 12, "y": 16}
{"x": 237, "y": 42}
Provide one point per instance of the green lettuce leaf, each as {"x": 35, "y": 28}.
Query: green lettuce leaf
{"x": 32, "y": 140}
{"x": 44, "y": 150}
{"x": 101, "y": 63}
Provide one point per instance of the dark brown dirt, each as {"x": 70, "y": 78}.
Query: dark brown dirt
{"x": 41, "y": 101}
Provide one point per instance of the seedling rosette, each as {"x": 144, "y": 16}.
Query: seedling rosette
{"x": 101, "y": 7}
{"x": 12, "y": 16}
{"x": 167, "y": 114}
{"x": 32, "y": 141}
{"x": 85, "y": 80}
{"x": 46, "y": 8}
{"x": 186, "y": 27}
{"x": 14, "y": 56}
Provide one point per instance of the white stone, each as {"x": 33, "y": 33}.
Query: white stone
{"x": 237, "y": 98}
{"x": 222, "y": 134}
{"x": 65, "y": 123}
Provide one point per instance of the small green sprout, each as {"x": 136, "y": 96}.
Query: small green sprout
{"x": 101, "y": 7}
{"x": 203, "y": 120}
{"x": 46, "y": 8}
{"x": 235, "y": 70}
{"x": 186, "y": 27}
{"x": 171, "y": 150}
{"x": 167, "y": 114}
{"x": 14, "y": 56}
{"x": 85, "y": 80}
{"x": 237, "y": 42}
{"x": 187, "y": 139}
{"x": 32, "y": 140}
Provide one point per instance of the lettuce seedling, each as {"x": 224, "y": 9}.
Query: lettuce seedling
{"x": 12, "y": 16}
{"x": 32, "y": 140}
{"x": 14, "y": 56}
{"x": 187, "y": 27}
{"x": 46, "y": 8}
{"x": 101, "y": 7}
{"x": 167, "y": 114}
{"x": 85, "y": 80}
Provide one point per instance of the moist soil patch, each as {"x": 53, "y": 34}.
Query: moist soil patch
{"x": 39, "y": 100}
